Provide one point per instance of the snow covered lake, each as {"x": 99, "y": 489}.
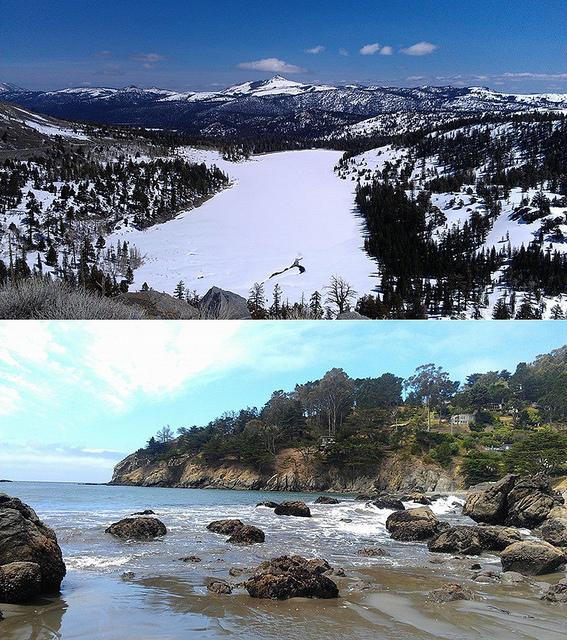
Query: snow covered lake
{"x": 280, "y": 207}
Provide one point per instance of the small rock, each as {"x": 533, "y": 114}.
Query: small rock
{"x": 450, "y": 592}
{"x": 372, "y": 552}
{"x": 476, "y": 566}
{"x": 385, "y": 502}
{"x": 238, "y": 571}
{"x": 267, "y": 503}
{"x": 557, "y": 593}
{"x": 190, "y": 559}
{"x": 326, "y": 500}
{"x": 140, "y": 528}
{"x": 487, "y": 576}
{"x": 511, "y": 577}
{"x": 145, "y": 512}
{"x": 554, "y": 531}
{"x": 218, "y": 586}
{"x": 225, "y": 527}
{"x": 346, "y": 520}
{"x": 295, "y": 508}
{"x": 128, "y": 575}
{"x": 418, "y": 498}
{"x": 247, "y": 534}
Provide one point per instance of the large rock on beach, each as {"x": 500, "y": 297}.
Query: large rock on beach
{"x": 450, "y": 592}
{"x": 247, "y": 534}
{"x": 291, "y": 577}
{"x": 225, "y": 527}
{"x": 473, "y": 540}
{"x": 557, "y": 592}
{"x": 24, "y": 538}
{"x": 142, "y": 528}
{"x": 19, "y": 581}
{"x": 520, "y": 502}
{"x": 413, "y": 524}
{"x": 554, "y": 531}
{"x": 532, "y": 558}
{"x": 295, "y": 508}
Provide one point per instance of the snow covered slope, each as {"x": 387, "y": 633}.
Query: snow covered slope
{"x": 281, "y": 207}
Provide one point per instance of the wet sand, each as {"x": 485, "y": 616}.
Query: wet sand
{"x": 375, "y": 602}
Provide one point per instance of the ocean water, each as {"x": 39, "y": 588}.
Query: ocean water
{"x": 120, "y": 590}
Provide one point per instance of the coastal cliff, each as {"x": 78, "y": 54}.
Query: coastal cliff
{"x": 293, "y": 471}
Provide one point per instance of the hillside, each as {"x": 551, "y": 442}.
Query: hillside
{"x": 272, "y": 107}
{"x": 359, "y": 435}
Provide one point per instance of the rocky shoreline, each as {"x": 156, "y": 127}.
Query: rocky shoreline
{"x": 522, "y": 521}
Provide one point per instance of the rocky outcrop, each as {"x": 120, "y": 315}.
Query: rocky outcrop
{"x": 142, "y": 528}
{"x": 293, "y": 508}
{"x": 267, "y": 503}
{"x": 291, "y": 577}
{"x": 521, "y": 502}
{"x": 225, "y": 527}
{"x": 351, "y": 315}
{"x": 473, "y": 540}
{"x": 221, "y": 587}
{"x": 413, "y": 524}
{"x": 247, "y": 534}
{"x": 19, "y": 581}
{"x": 25, "y": 539}
{"x": 532, "y": 558}
{"x": 292, "y": 472}
{"x": 218, "y": 304}
{"x": 158, "y": 305}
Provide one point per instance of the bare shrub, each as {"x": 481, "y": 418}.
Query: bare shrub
{"x": 45, "y": 299}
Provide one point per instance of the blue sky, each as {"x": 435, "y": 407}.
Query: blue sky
{"x": 513, "y": 45}
{"x": 75, "y": 397}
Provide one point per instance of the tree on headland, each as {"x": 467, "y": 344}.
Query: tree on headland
{"x": 430, "y": 386}
{"x": 340, "y": 294}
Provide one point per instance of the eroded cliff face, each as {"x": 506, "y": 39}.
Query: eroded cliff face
{"x": 294, "y": 471}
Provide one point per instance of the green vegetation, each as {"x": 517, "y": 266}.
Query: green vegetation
{"x": 494, "y": 423}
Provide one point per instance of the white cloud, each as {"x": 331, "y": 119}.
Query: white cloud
{"x": 386, "y": 51}
{"x": 315, "y": 50}
{"x": 343, "y": 52}
{"x": 149, "y": 57}
{"x": 370, "y": 49}
{"x": 271, "y": 64}
{"x": 420, "y": 49}
{"x": 415, "y": 78}
{"x": 526, "y": 75}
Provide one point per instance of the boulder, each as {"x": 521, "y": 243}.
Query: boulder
{"x": 529, "y": 502}
{"x": 532, "y": 558}
{"x": 291, "y": 577}
{"x": 142, "y": 528}
{"x": 487, "y": 502}
{"x": 497, "y": 538}
{"x": 24, "y": 538}
{"x": 413, "y": 524}
{"x": 557, "y": 592}
{"x": 512, "y": 578}
{"x": 247, "y": 534}
{"x": 295, "y": 508}
{"x": 460, "y": 539}
{"x": 145, "y": 512}
{"x": 450, "y": 592}
{"x": 326, "y": 500}
{"x": 473, "y": 540}
{"x": 222, "y": 587}
{"x": 385, "y": 502}
{"x": 267, "y": 503}
{"x": 20, "y": 581}
{"x": 554, "y": 531}
{"x": 157, "y": 305}
{"x": 225, "y": 527}
{"x": 520, "y": 502}
{"x": 218, "y": 304}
